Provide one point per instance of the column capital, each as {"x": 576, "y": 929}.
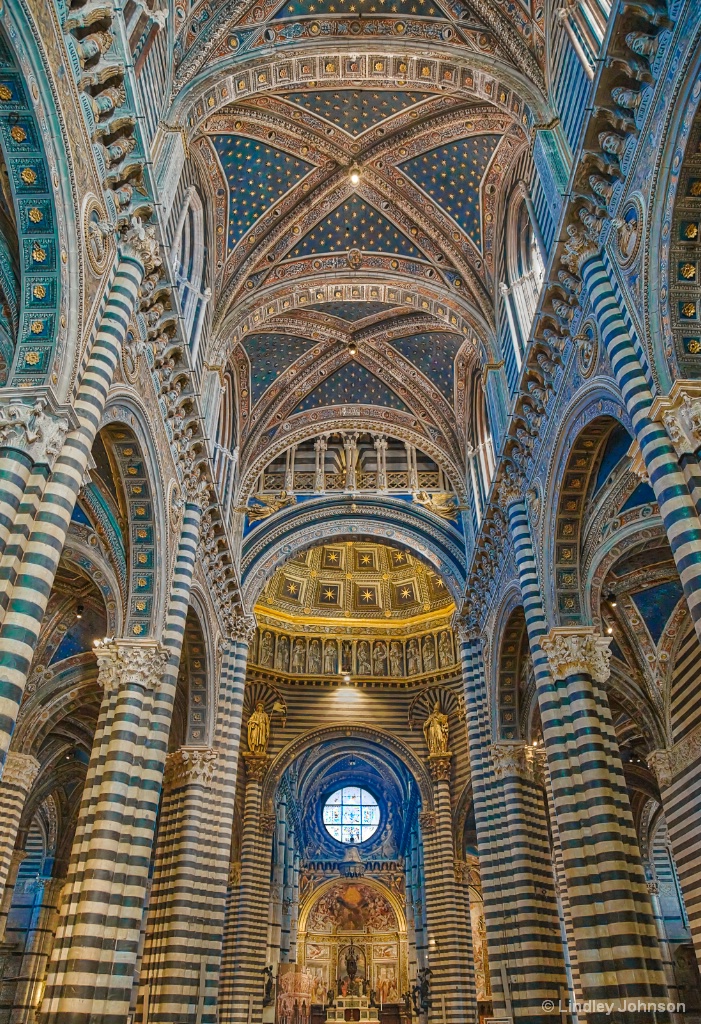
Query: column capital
{"x": 191, "y": 764}
{"x": 511, "y": 491}
{"x": 256, "y": 765}
{"x": 428, "y": 822}
{"x": 20, "y": 770}
{"x": 139, "y": 241}
{"x": 671, "y": 762}
{"x": 577, "y": 649}
{"x": 130, "y": 662}
{"x": 578, "y": 249}
{"x": 242, "y": 628}
{"x": 680, "y": 411}
{"x": 439, "y": 766}
{"x": 267, "y": 824}
{"x": 196, "y": 486}
{"x": 516, "y": 758}
{"x": 34, "y": 423}
{"x": 466, "y": 628}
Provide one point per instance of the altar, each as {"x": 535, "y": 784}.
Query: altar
{"x": 355, "y": 1008}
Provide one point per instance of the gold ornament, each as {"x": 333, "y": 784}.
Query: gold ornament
{"x": 694, "y": 346}
{"x": 5, "y": 93}
{"x": 268, "y": 505}
{"x": 688, "y": 271}
{"x": 35, "y": 215}
{"x": 37, "y": 326}
{"x": 696, "y": 189}
{"x": 28, "y": 176}
{"x": 689, "y": 309}
{"x": 692, "y": 230}
{"x": 38, "y": 254}
{"x": 39, "y": 291}
{"x": 32, "y": 358}
{"x": 18, "y": 133}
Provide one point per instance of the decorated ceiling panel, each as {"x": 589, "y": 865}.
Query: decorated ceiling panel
{"x": 351, "y": 311}
{"x": 451, "y": 175}
{"x": 656, "y": 604}
{"x": 356, "y": 110}
{"x": 355, "y": 225}
{"x": 258, "y": 175}
{"x": 421, "y": 8}
{"x": 434, "y": 354}
{"x": 352, "y": 384}
{"x": 270, "y": 354}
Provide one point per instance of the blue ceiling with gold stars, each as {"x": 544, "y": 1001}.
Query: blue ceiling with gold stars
{"x": 421, "y": 8}
{"x": 351, "y": 384}
{"x": 355, "y": 225}
{"x": 270, "y": 354}
{"x": 434, "y": 354}
{"x": 451, "y": 176}
{"x": 258, "y": 176}
{"x": 351, "y": 311}
{"x": 356, "y": 110}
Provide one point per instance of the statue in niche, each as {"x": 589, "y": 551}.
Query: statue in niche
{"x": 347, "y": 656}
{"x": 429, "y": 652}
{"x": 436, "y": 731}
{"x": 298, "y": 655}
{"x": 259, "y": 730}
{"x": 395, "y": 658}
{"x": 364, "y": 668}
{"x": 414, "y": 658}
{"x": 445, "y": 650}
{"x": 314, "y": 656}
{"x": 330, "y": 658}
{"x": 379, "y": 658}
{"x": 266, "y": 649}
{"x": 282, "y": 655}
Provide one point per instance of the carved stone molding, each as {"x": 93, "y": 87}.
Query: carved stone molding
{"x": 256, "y": 766}
{"x": 140, "y": 240}
{"x": 242, "y": 628}
{"x": 439, "y": 766}
{"x": 669, "y": 763}
{"x": 20, "y": 771}
{"x": 34, "y": 424}
{"x": 510, "y": 491}
{"x": 577, "y": 649}
{"x": 191, "y": 764}
{"x": 637, "y": 465}
{"x": 680, "y": 411}
{"x": 653, "y": 888}
{"x": 518, "y": 759}
{"x": 128, "y": 662}
{"x": 235, "y": 874}
{"x": 428, "y": 821}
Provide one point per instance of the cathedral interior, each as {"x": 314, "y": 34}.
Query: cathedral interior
{"x": 350, "y": 511}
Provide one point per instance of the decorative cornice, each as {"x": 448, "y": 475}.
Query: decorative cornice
{"x": 577, "y": 649}
{"x": 191, "y": 764}
{"x": 20, "y": 771}
{"x": 128, "y": 662}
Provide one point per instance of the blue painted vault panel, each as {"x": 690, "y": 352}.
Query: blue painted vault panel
{"x": 351, "y": 384}
{"x": 434, "y": 354}
{"x": 355, "y": 225}
{"x": 270, "y": 354}
{"x": 656, "y": 604}
{"x": 258, "y": 176}
{"x": 451, "y": 175}
{"x": 351, "y": 311}
{"x": 302, "y": 8}
{"x": 356, "y": 110}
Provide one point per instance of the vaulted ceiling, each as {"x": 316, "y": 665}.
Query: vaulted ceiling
{"x": 357, "y": 153}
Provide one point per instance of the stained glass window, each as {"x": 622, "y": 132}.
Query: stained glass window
{"x": 351, "y": 815}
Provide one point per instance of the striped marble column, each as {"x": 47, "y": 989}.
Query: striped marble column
{"x": 39, "y": 942}
{"x": 15, "y": 470}
{"x": 26, "y": 606}
{"x": 677, "y": 507}
{"x": 18, "y": 778}
{"x": 616, "y": 945}
{"x": 242, "y": 981}
{"x": 13, "y": 552}
{"x": 453, "y": 981}
{"x": 525, "y": 949}
{"x": 186, "y": 919}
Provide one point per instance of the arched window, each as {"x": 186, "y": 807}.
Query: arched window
{"x": 188, "y": 251}
{"x": 351, "y": 815}
{"x": 225, "y": 448}
{"x": 525, "y": 268}
{"x": 585, "y": 23}
{"x": 480, "y": 451}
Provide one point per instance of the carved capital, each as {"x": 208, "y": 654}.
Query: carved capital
{"x": 196, "y": 487}
{"x": 514, "y": 759}
{"x": 439, "y": 766}
{"x": 428, "y": 822}
{"x": 235, "y": 874}
{"x": 579, "y": 248}
{"x": 653, "y": 888}
{"x": 139, "y": 240}
{"x": 637, "y": 465}
{"x": 20, "y": 771}
{"x": 510, "y": 491}
{"x": 670, "y": 763}
{"x": 242, "y": 628}
{"x": 34, "y": 424}
{"x": 256, "y": 766}
{"x": 267, "y": 824}
{"x": 191, "y": 764}
{"x": 128, "y": 662}
{"x": 680, "y": 411}
{"x": 577, "y": 649}
{"x": 465, "y": 627}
